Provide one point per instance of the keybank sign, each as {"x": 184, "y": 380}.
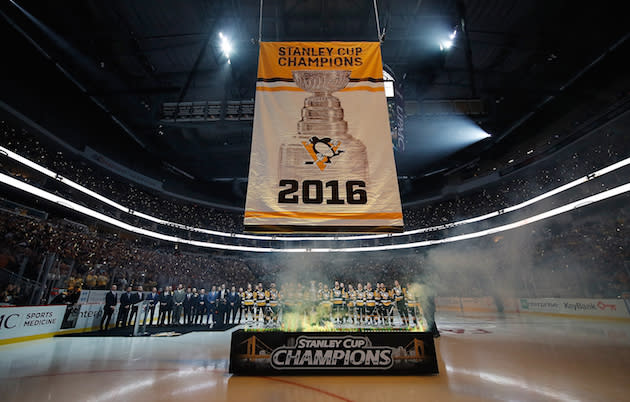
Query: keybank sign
{"x": 585, "y": 307}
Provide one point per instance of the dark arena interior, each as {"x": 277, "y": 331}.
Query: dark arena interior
{"x": 128, "y": 270}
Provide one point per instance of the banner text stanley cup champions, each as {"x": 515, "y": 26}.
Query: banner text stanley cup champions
{"x": 321, "y": 155}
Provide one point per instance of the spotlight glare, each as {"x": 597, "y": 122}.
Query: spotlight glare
{"x": 226, "y": 46}
{"x": 452, "y": 35}
{"x": 447, "y": 44}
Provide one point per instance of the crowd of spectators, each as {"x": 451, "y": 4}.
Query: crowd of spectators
{"x": 95, "y": 178}
{"x": 601, "y": 148}
{"x": 11, "y": 295}
{"x": 93, "y": 258}
{"x": 589, "y": 252}
{"x": 584, "y": 256}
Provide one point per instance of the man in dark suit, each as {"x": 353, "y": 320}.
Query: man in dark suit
{"x": 195, "y": 306}
{"x": 136, "y": 298}
{"x": 212, "y": 302}
{"x": 178, "y": 303}
{"x": 154, "y": 300}
{"x": 111, "y": 298}
{"x": 234, "y": 304}
{"x": 201, "y": 306}
{"x": 166, "y": 305}
{"x": 125, "y": 307}
{"x": 224, "y": 307}
{"x": 223, "y": 310}
{"x": 223, "y": 292}
{"x": 188, "y": 306}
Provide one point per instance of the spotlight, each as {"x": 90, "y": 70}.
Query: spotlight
{"x": 226, "y": 46}
{"x": 446, "y": 44}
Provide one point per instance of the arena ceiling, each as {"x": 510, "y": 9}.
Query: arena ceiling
{"x": 132, "y": 56}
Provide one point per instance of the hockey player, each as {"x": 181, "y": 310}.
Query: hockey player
{"x": 413, "y": 306}
{"x": 387, "y": 306}
{"x": 344, "y": 306}
{"x": 273, "y": 307}
{"x": 401, "y": 306}
{"x": 370, "y": 304}
{"x": 360, "y": 303}
{"x": 248, "y": 303}
{"x": 261, "y": 302}
{"x": 351, "y": 303}
{"x": 377, "y": 298}
{"x": 337, "y": 300}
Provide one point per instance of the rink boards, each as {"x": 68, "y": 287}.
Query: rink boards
{"x": 23, "y": 323}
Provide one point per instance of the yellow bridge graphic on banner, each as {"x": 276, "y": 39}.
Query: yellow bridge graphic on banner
{"x": 251, "y": 351}
{"x": 416, "y": 347}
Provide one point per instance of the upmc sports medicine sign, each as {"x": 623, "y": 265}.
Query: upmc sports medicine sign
{"x": 277, "y": 353}
{"x": 26, "y": 321}
{"x": 321, "y": 158}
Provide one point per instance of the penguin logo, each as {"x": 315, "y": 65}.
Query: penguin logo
{"x": 321, "y": 150}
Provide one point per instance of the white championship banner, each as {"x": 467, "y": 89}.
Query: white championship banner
{"x": 322, "y": 158}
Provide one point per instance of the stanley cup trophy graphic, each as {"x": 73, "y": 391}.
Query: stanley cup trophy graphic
{"x": 322, "y": 143}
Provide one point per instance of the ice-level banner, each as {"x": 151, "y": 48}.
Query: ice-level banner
{"x": 321, "y": 157}
{"x": 332, "y": 353}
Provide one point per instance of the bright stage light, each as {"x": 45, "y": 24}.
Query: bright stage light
{"x": 226, "y": 46}
{"x": 477, "y": 133}
{"x": 446, "y": 44}
{"x": 455, "y": 132}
